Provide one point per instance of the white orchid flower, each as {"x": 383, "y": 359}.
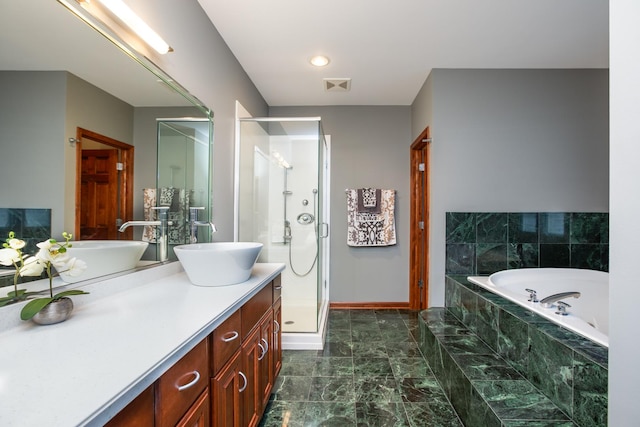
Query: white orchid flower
{"x": 9, "y": 256}
{"x": 72, "y": 267}
{"x": 16, "y": 243}
{"x": 32, "y": 267}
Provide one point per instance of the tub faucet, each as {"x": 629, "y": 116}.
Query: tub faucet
{"x": 548, "y": 301}
{"x": 162, "y": 222}
{"x": 194, "y": 224}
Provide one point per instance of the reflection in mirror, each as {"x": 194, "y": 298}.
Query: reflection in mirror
{"x": 73, "y": 107}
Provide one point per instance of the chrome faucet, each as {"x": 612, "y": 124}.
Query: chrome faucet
{"x": 548, "y": 301}
{"x": 162, "y": 222}
{"x": 194, "y": 224}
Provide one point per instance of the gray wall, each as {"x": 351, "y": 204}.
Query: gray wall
{"x": 32, "y": 110}
{"x": 369, "y": 148}
{"x": 624, "y": 293}
{"x": 512, "y": 141}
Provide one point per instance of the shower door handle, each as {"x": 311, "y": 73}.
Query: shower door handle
{"x": 325, "y": 230}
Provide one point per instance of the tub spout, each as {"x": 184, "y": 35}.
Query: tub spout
{"x": 548, "y": 301}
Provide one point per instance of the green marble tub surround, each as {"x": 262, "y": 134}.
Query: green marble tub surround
{"x": 568, "y": 369}
{"x": 482, "y": 387}
{"x": 481, "y": 243}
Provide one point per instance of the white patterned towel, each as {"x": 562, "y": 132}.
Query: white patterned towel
{"x": 366, "y": 228}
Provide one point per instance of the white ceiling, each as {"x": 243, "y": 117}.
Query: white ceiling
{"x": 389, "y": 47}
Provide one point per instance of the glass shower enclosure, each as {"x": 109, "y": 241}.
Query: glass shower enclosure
{"x": 281, "y": 201}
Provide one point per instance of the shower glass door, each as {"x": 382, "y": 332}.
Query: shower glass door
{"x": 280, "y": 203}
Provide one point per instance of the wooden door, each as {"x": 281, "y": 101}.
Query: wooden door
{"x": 123, "y": 205}
{"x": 199, "y": 413}
{"x": 252, "y": 398}
{"x": 265, "y": 381}
{"x": 277, "y": 337}
{"x": 99, "y": 195}
{"x": 419, "y": 241}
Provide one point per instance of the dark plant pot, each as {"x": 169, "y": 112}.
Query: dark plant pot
{"x": 55, "y": 312}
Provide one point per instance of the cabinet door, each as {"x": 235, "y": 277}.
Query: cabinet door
{"x": 251, "y": 397}
{"x": 198, "y": 414}
{"x": 277, "y": 337}
{"x": 265, "y": 368}
{"x": 138, "y": 413}
{"x": 227, "y": 388}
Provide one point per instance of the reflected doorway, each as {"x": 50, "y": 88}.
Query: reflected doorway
{"x": 104, "y": 181}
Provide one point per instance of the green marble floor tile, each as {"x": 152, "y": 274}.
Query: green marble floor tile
{"x": 372, "y": 367}
{"x": 366, "y": 335}
{"x": 517, "y": 400}
{"x": 369, "y": 315}
{"x": 333, "y": 367}
{"x": 339, "y": 322}
{"x": 435, "y": 413}
{"x": 369, "y": 349}
{"x": 376, "y": 390}
{"x": 292, "y": 389}
{"x": 281, "y": 413}
{"x": 381, "y": 414}
{"x": 533, "y": 423}
{"x": 297, "y": 368}
{"x": 330, "y": 414}
{"x": 403, "y": 349}
{"x": 338, "y": 335}
{"x": 331, "y": 389}
{"x": 405, "y": 367}
{"x": 335, "y": 349}
{"x": 299, "y": 355}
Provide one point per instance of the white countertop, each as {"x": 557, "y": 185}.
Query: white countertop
{"x": 119, "y": 340}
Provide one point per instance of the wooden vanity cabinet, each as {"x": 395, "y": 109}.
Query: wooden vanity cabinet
{"x": 242, "y": 385}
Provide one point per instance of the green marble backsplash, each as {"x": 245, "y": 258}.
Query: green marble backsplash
{"x": 485, "y": 242}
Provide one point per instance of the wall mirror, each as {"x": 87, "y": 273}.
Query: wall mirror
{"x": 67, "y": 89}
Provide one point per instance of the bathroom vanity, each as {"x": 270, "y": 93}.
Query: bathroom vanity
{"x": 144, "y": 349}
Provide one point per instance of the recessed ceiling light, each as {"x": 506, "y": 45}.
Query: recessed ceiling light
{"x": 319, "y": 60}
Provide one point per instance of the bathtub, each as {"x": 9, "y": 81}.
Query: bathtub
{"x": 588, "y": 315}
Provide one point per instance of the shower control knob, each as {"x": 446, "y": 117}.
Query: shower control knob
{"x": 305, "y": 202}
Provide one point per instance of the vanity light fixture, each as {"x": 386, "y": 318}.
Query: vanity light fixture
{"x": 129, "y": 18}
{"x": 319, "y": 61}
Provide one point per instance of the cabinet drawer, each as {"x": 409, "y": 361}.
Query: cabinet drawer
{"x": 226, "y": 340}
{"x": 179, "y": 387}
{"x": 277, "y": 287}
{"x": 253, "y": 310}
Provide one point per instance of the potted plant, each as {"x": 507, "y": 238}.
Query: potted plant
{"x": 53, "y": 308}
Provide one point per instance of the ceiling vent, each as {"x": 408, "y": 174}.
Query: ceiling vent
{"x": 337, "y": 85}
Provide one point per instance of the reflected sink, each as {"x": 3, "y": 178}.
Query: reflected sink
{"x": 104, "y": 257}
{"x": 219, "y": 263}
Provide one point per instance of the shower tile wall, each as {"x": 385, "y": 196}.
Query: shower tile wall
{"x": 485, "y": 242}
{"x": 30, "y": 225}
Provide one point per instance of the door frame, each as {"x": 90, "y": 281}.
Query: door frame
{"x": 126, "y": 181}
{"x": 420, "y": 196}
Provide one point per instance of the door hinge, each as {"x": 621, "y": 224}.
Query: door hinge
{"x": 421, "y": 167}
{"x": 118, "y": 222}
{"x": 119, "y": 166}
{"x": 420, "y": 283}
{"x": 421, "y": 225}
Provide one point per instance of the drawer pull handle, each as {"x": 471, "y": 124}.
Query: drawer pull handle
{"x": 230, "y": 336}
{"x": 192, "y": 383}
{"x": 263, "y": 352}
{"x": 245, "y": 382}
{"x": 277, "y": 326}
{"x": 266, "y": 344}
{"x": 277, "y": 288}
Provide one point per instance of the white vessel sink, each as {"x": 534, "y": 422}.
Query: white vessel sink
{"x": 220, "y": 263}
{"x": 104, "y": 257}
